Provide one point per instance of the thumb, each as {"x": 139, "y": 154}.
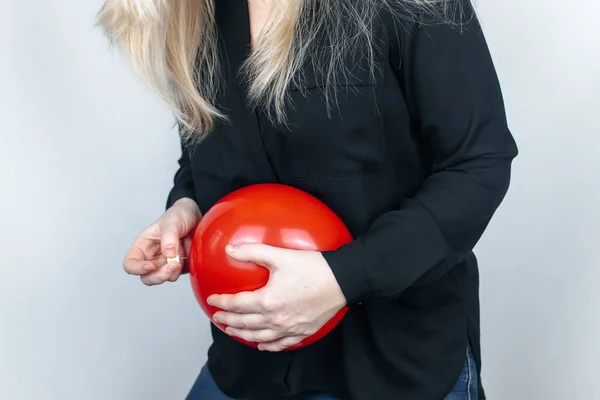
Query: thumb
{"x": 169, "y": 239}
{"x": 261, "y": 254}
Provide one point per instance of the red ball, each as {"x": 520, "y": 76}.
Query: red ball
{"x": 272, "y": 214}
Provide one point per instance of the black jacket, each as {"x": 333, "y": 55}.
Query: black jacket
{"x": 415, "y": 162}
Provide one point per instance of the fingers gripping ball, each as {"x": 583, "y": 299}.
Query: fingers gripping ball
{"x": 272, "y": 214}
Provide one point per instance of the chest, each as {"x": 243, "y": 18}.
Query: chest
{"x": 349, "y": 121}
{"x": 359, "y": 125}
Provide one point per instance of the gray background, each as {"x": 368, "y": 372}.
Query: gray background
{"x": 87, "y": 157}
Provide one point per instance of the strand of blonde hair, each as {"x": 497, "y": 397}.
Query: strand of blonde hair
{"x": 172, "y": 46}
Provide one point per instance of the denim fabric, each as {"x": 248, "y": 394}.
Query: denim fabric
{"x": 205, "y": 388}
{"x": 465, "y": 388}
{"x": 466, "y": 385}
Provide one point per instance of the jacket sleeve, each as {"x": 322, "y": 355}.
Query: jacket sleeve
{"x": 183, "y": 182}
{"x": 453, "y": 94}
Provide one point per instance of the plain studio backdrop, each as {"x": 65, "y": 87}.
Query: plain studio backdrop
{"x": 87, "y": 157}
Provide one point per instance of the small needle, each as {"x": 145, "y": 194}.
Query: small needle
{"x": 176, "y": 259}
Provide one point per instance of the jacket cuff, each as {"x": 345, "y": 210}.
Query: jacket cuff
{"x": 350, "y": 274}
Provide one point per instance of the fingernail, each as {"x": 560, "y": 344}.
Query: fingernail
{"x": 170, "y": 252}
{"x": 228, "y": 331}
{"x": 231, "y": 248}
{"x": 210, "y": 300}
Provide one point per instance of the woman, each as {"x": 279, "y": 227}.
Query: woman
{"x": 390, "y": 112}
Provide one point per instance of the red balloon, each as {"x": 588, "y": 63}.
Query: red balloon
{"x": 272, "y": 214}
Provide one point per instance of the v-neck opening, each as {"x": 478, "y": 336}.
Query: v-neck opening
{"x": 233, "y": 24}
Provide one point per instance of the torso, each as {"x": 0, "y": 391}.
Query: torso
{"x": 362, "y": 158}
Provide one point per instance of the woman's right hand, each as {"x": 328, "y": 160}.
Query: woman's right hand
{"x": 170, "y": 236}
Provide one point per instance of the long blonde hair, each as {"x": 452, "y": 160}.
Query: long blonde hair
{"x": 172, "y": 46}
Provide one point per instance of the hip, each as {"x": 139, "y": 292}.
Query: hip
{"x": 465, "y": 388}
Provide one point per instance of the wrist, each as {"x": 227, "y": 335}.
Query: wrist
{"x": 188, "y": 204}
{"x": 185, "y": 201}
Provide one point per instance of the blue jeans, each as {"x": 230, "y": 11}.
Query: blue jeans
{"x": 465, "y": 388}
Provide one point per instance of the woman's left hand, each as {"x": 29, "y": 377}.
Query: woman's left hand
{"x": 301, "y": 296}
